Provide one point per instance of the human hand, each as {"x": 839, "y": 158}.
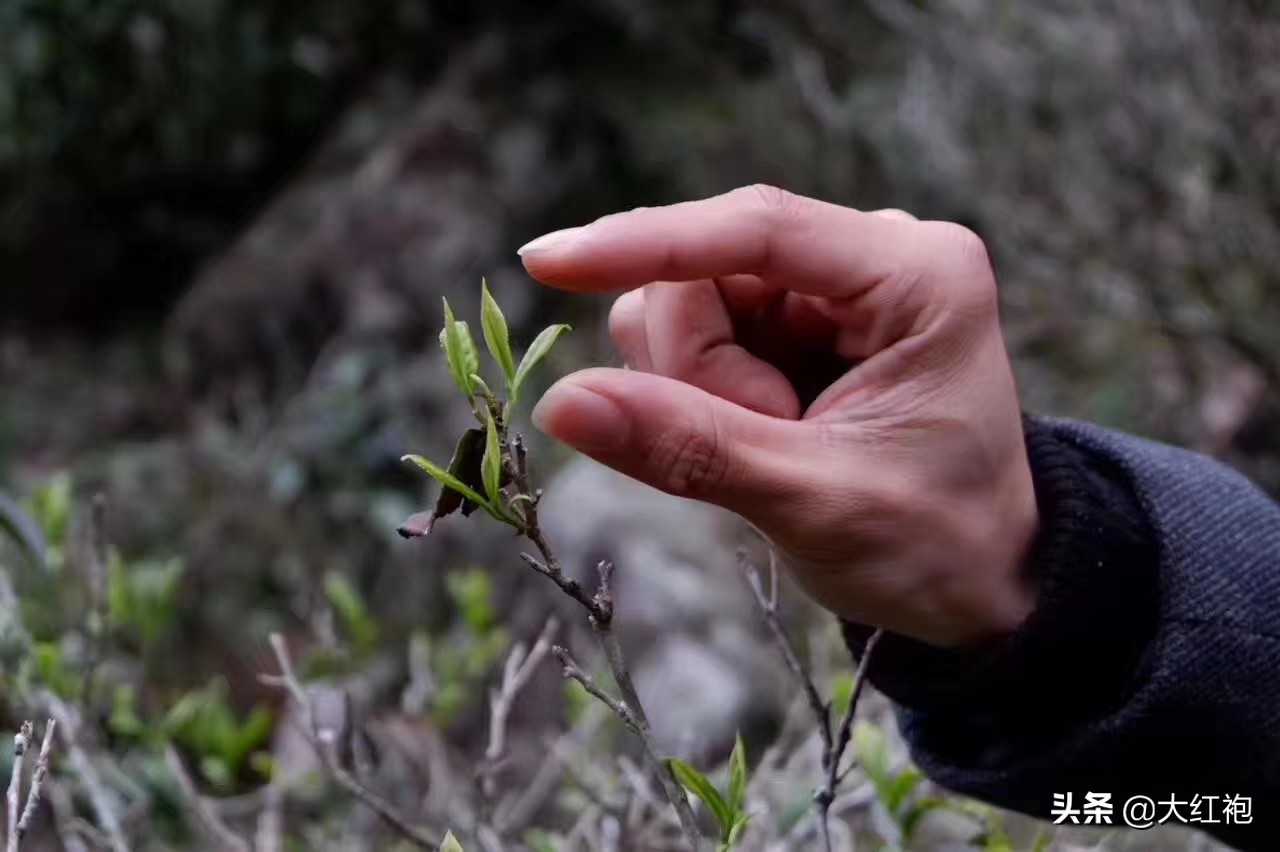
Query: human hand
{"x": 896, "y": 485}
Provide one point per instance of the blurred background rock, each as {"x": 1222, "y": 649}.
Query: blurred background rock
{"x": 225, "y": 227}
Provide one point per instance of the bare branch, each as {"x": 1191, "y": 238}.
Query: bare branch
{"x": 768, "y": 605}
{"x": 325, "y": 744}
{"x": 21, "y": 742}
{"x": 834, "y": 743}
{"x": 572, "y": 671}
{"x": 603, "y": 599}
{"x": 551, "y": 570}
{"x": 83, "y": 769}
{"x": 831, "y": 766}
{"x": 37, "y": 779}
{"x": 516, "y": 674}
{"x": 203, "y": 810}
{"x": 270, "y": 828}
{"x": 600, "y": 614}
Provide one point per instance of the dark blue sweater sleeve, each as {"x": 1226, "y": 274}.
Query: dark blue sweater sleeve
{"x": 1151, "y": 665}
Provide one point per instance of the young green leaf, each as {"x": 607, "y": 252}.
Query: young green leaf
{"x": 737, "y": 777}
{"x": 449, "y": 481}
{"x": 496, "y": 338}
{"x": 469, "y": 351}
{"x": 481, "y": 385}
{"x": 541, "y": 346}
{"x": 462, "y": 360}
{"x": 697, "y": 784}
{"x": 491, "y": 467}
{"x": 450, "y": 843}
{"x": 351, "y": 610}
{"x": 898, "y": 790}
{"x": 541, "y": 841}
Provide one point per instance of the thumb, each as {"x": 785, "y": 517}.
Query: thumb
{"x": 671, "y": 435}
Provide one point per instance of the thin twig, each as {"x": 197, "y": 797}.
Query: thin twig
{"x": 94, "y": 554}
{"x": 205, "y": 812}
{"x": 325, "y": 744}
{"x": 37, "y": 779}
{"x": 516, "y": 674}
{"x": 517, "y": 671}
{"x": 551, "y": 570}
{"x": 599, "y": 609}
{"x": 21, "y": 742}
{"x": 834, "y": 743}
{"x": 768, "y": 604}
{"x": 826, "y": 795}
{"x": 82, "y": 769}
{"x": 572, "y": 671}
{"x": 270, "y": 828}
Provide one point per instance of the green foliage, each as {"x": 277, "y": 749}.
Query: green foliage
{"x": 450, "y": 481}
{"x": 494, "y": 414}
{"x": 898, "y": 795}
{"x": 726, "y": 807}
{"x": 140, "y": 596}
{"x": 542, "y": 841}
{"x": 496, "y": 336}
{"x": 204, "y": 723}
{"x": 47, "y": 667}
{"x": 49, "y": 506}
{"x": 124, "y": 721}
{"x": 841, "y": 692}
{"x": 450, "y": 843}
{"x": 472, "y": 594}
{"x": 460, "y": 351}
{"x": 460, "y": 662}
{"x": 538, "y": 350}
{"x": 356, "y": 620}
{"x": 737, "y": 776}
{"x": 491, "y": 466}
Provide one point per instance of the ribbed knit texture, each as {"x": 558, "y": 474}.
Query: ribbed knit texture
{"x": 1151, "y": 664}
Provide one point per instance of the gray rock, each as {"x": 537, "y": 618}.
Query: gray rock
{"x": 684, "y": 615}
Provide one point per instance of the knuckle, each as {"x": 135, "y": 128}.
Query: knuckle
{"x": 691, "y": 463}
{"x": 975, "y": 286}
{"x": 771, "y": 199}
{"x": 626, "y": 317}
{"x": 963, "y": 243}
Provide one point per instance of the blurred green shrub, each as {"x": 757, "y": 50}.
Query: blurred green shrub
{"x": 204, "y": 723}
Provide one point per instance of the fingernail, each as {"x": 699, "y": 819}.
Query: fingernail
{"x": 553, "y": 240}
{"x": 582, "y": 418}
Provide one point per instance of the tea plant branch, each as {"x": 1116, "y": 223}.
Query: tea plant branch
{"x": 572, "y": 671}
{"x": 324, "y": 742}
{"x": 270, "y": 827}
{"x": 489, "y": 470}
{"x": 845, "y": 731}
{"x": 599, "y": 608}
{"x": 768, "y": 605}
{"x": 835, "y": 741}
{"x": 100, "y": 800}
{"x": 38, "y": 776}
{"x": 517, "y": 671}
{"x": 21, "y": 742}
{"x": 208, "y": 816}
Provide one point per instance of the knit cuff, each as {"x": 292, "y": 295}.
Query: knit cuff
{"x": 1094, "y": 565}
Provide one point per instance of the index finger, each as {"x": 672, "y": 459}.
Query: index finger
{"x": 803, "y": 244}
